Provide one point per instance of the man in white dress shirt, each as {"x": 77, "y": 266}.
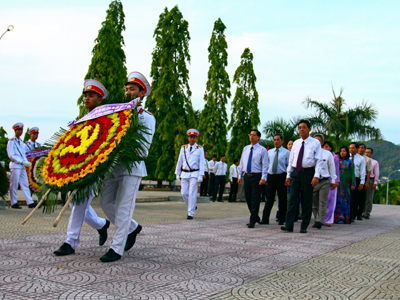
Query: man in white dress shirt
{"x": 321, "y": 191}
{"x": 190, "y": 170}
{"x": 31, "y": 143}
{"x": 368, "y": 170}
{"x": 374, "y": 180}
{"x": 233, "y": 179}
{"x": 254, "y": 165}
{"x": 220, "y": 176}
{"x": 94, "y": 93}
{"x": 303, "y": 174}
{"x": 211, "y": 165}
{"x": 204, "y": 184}
{"x": 118, "y": 194}
{"x": 357, "y": 190}
{"x": 278, "y": 162}
{"x": 16, "y": 153}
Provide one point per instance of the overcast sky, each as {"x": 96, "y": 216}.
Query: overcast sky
{"x": 301, "y": 48}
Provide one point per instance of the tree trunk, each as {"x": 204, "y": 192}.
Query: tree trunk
{"x": 159, "y": 183}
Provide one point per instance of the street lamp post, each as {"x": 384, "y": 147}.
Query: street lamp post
{"x": 387, "y": 189}
{"x": 9, "y": 28}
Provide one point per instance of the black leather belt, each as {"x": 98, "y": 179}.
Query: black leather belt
{"x": 252, "y": 174}
{"x": 183, "y": 170}
{"x": 323, "y": 178}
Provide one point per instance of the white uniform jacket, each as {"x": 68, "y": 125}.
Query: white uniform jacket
{"x": 149, "y": 122}
{"x": 16, "y": 153}
{"x": 29, "y": 145}
{"x": 195, "y": 158}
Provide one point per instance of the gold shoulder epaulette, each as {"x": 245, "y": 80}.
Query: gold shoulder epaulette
{"x": 199, "y": 146}
{"x": 148, "y": 112}
{"x": 184, "y": 146}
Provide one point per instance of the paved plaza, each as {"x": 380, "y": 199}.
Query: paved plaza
{"x": 214, "y": 256}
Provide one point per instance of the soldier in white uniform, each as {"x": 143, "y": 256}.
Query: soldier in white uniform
{"x": 118, "y": 195}
{"x": 32, "y": 144}
{"x": 190, "y": 168}
{"x": 16, "y": 153}
{"x": 94, "y": 92}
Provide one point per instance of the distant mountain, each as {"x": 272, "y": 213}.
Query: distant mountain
{"x": 388, "y": 156}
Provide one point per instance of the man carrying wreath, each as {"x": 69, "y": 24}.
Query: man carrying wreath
{"x": 94, "y": 92}
{"x": 118, "y": 195}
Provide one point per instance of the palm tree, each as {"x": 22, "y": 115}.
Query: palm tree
{"x": 287, "y": 128}
{"x": 333, "y": 119}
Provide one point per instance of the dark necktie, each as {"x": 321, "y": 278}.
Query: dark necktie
{"x": 190, "y": 148}
{"x": 275, "y": 163}
{"x": 299, "y": 164}
{"x": 249, "y": 161}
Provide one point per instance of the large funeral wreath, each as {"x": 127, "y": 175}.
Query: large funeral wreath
{"x": 4, "y": 182}
{"x": 89, "y": 150}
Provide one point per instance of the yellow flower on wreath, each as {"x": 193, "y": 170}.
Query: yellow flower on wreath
{"x": 83, "y": 173}
{"x": 102, "y": 158}
{"x": 53, "y": 181}
{"x": 75, "y": 177}
{"x": 60, "y": 182}
{"x": 90, "y": 169}
{"x": 67, "y": 180}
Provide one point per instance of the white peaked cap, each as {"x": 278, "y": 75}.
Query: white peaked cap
{"x": 192, "y": 131}
{"x": 18, "y": 125}
{"x": 33, "y": 129}
{"x": 92, "y": 85}
{"x": 136, "y": 77}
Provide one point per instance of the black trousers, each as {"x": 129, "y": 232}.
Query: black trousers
{"x": 211, "y": 185}
{"x": 204, "y": 185}
{"x": 234, "y": 190}
{"x": 358, "y": 201}
{"x": 219, "y": 187}
{"x": 276, "y": 183}
{"x": 252, "y": 192}
{"x": 264, "y": 193}
{"x": 300, "y": 183}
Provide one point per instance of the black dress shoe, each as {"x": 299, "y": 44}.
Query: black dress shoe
{"x": 287, "y": 229}
{"x": 16, "y": 206}
{"x": 103, "y": 233}
{"x": 303, "y": 230}
{"x": 32, "y": 205}
{"x": 65, "y": 249}
{"x": 220, "y": 201}
{"x": 359, "y": 218}
{"x": 317, "y": 225}
{"x": 189, "y": 218}
{"x": 130, "y": 241}
{"x": 366, "y": 217}
{"x": 263, "y": 222}
{"x": 110, "y": 256}
{"x": 250, "y": 225}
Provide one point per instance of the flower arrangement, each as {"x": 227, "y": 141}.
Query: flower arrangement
{"x": 4, "y": 182}
{"x": 90, "y": 149}
{"x": 35, "y": 172}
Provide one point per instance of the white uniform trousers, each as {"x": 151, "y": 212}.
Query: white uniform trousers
{"x": 18, "y": 175}
{"x": 117, "y": 199}
{"x": 82, "y": 213}
{"x": 189, "y": 193}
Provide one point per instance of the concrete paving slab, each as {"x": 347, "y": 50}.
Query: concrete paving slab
{"x": 214, "y": 256}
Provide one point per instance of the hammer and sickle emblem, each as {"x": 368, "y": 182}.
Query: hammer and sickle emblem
{"x": 86, "y": 141}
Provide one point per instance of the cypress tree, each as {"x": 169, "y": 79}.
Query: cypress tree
{"x": 245, "y": 113}
{"x": 108, "y": 60}
{"x": 213, "y": 118}
{"x": 170, "y": 98}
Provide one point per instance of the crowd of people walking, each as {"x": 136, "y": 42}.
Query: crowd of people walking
{"x": 307, "y": 176}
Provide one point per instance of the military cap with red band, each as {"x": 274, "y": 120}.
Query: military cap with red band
{"x": 138, "y": 78}
{"x": 18, "y": 125}
{"x": 92, "y": 85}
{"x": 192, "y": 131}
{"x": 33, "y": 129}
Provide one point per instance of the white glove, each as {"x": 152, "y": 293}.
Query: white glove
{"x": 200, "y": 179}
{"x": 26, "y": 163}
{"x": 178, "y": 178}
